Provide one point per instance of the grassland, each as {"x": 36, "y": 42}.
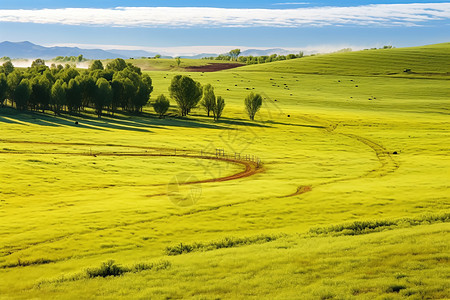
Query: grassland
{"x": 327, "y": 143}
{"x": 166, "y": 64}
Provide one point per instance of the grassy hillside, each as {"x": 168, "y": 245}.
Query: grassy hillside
{"x": 162, "y": 64}
{"x": 352, "y": 200}
{"x": 425, "y": 61}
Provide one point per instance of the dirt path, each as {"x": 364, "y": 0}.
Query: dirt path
{"x": 213, "y": 67}
{"x": 250, "y": 167}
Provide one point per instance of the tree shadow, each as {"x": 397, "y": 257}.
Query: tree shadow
{"x": 298, "y": 125}
{"x": 243, "y": 122}
{"x": 142, "y": 122}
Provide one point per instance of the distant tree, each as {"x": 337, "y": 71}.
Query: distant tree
{"x": 253, "y": 103}
{"x": 235, "y": 54}
{"x": 8, "y": 67}
{"x": 96, "y": 65}
{"x": 38, "y": 63}
{"x": 161, "y": 105}
{"x": 117, "y": 64}
{"x": 291, "y": 56}
{"x": 178, "y": 60}
{"x": 3, "y": 88}
{"x": 58, "y": 96}
{"x": 22, "y": 94}
{"x": 209, "y": 99}
{"x": 186, "y": 92}
{"x": 103, "y": 96}
{"x": 80, "y": 58}
{"x": 218, "y": 107}
{"x": 300, "y": 54}
{"x": 157, "y": 56}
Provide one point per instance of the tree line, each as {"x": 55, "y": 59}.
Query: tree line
{"x": 234, "y": 55}
{"x": 119, "y": 85}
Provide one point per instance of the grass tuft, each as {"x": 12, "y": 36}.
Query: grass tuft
{"x": 227, "y": 242}
{"x": 395, "y": 288}
{"x": 108, "y": 268}
{"x": 364, "y": 227}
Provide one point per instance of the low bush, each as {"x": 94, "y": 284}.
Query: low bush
{"x": 227, "y": 242}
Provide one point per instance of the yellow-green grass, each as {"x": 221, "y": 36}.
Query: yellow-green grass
{"x": 61, "y": 214}
{"x": 425, "y": 61}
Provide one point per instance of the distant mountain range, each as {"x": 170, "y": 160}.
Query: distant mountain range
{"x": 32, "y": 51}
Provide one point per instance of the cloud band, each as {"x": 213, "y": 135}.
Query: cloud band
{"x": 175, "y": 17}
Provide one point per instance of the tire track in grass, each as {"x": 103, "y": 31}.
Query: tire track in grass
{"x": 387, "y": 163}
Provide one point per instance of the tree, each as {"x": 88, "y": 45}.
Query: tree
{"x": 3, "y": 88}
{"x": 96, "y": 65}
{"x": 148, "y": 82}
{"x": 253, "y": 103}
{"x": 161, "y": 105}
{"x": 22, "y": 94}
{"x": 88, "y": 90}
{"x": 178, "y": 60}
{"x": 74, "y": 95}
{"x": 140, "y": 98}
{"x": 117, "y": 87}
{"x": 103, "y": 96}
{"x": 157, "y": 56}
{"x": 219, "y": 105}
{"x": 38, "y": 63}
{"x": 117, "y": 64}
{"x": 58, "y": 96}
{"x": 13, "y": 79}
{"x": 40, "y": 92}
{"x": 235, "y": 54}
{"x": 8, "y": 67}
{"x": 43, "y": 93}
{"x": 209, "y": 99}
{"x": 128, "y": 94}
{"x": 186, "y": 92}
{"x": 67, "y": 74}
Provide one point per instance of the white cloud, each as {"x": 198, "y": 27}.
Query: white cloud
{"x": 292, "y": 3}
{"x": 368, "y": 15}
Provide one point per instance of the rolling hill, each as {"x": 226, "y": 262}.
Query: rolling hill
{"x": 431, "y": 60}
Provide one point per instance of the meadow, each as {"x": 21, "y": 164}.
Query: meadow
{"x": 351, "y": 199}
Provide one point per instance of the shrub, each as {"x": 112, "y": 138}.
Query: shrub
{"x": 161, "y": 105}
{"x": 108, "y": 268}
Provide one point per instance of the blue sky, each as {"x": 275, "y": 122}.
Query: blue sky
{"x": 187, "y": 27}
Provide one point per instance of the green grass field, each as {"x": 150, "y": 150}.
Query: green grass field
{"x": 166, "y": 64}
{"x": 332, "y": 214}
